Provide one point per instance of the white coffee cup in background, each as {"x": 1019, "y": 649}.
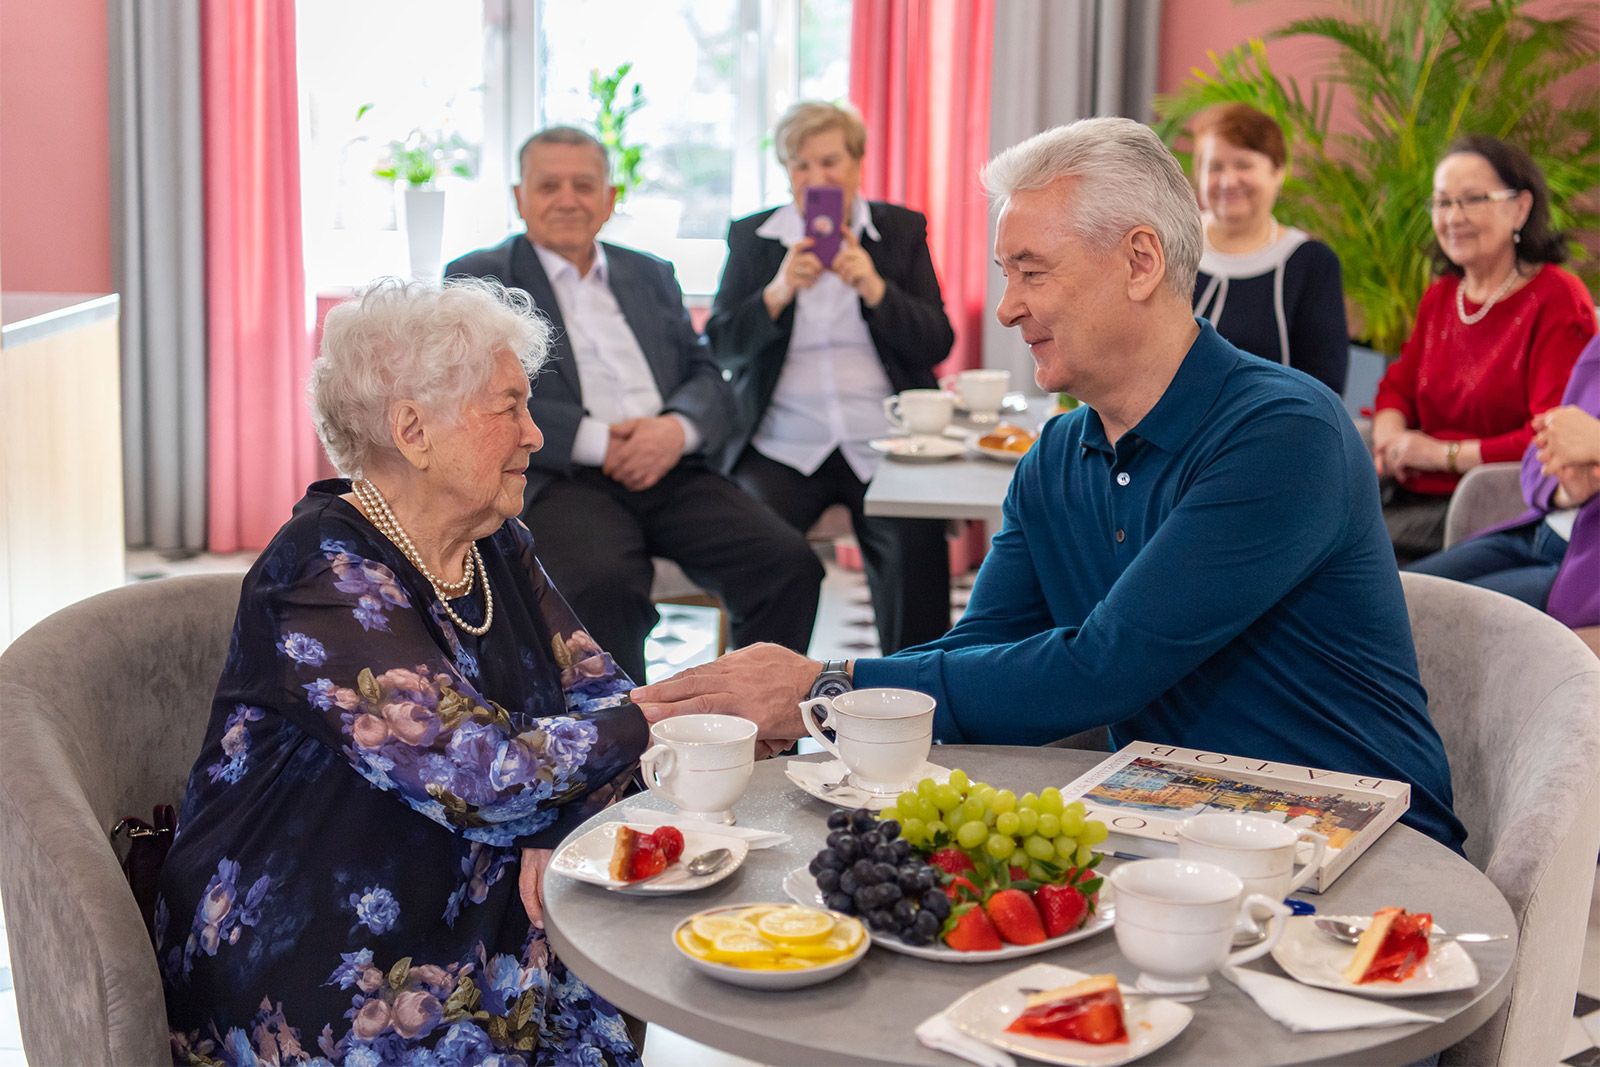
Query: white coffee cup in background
{"x": 702, "y": 763}
{"x": 883, "y": 735}
{"x": 1175, "y": 922}
{"x": 1260, "y": 851}
{"x": 919, "y": 411}
{"x": 981, "y": 392}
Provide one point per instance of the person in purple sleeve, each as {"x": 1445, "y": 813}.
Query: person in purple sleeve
{"x": 1549, "y": 556}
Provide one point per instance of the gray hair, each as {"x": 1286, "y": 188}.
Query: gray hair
{"x": 1126, "y": 178}
{"x": 567, "y": 135}
{"x": 400, "y": 340}
{"x": 810, "y": 117}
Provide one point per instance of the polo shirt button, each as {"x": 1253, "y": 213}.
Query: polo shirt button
{"x": 1122, "y": 478}
{"x": 1121, "y": 537}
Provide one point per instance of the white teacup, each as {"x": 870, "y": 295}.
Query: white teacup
{"x": 1175, "y": 921}
{"x": 919, "y": 411}
{"x": 1260, "y": 851}
{"x": 702, "y": 763}
{"x": 981, "y": 392}
{"x": 883, "y": 734}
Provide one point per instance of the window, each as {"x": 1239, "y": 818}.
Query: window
{"x": 715, "y": 75}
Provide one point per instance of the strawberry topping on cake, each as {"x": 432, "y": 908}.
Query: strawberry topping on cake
{"x": 1391, "y": 948}
{"x": 1089, "y": 1011}
{"x": 636, "y": 856}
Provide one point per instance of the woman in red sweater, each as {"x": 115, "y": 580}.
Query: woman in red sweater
{"x": 1494, "y": 343}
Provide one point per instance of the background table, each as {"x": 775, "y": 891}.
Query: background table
{"x": 621, "y": 945}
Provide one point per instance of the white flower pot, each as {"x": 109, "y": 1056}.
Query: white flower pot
{"x": 423, "y": 219}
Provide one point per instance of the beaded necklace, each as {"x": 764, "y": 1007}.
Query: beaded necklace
{"x": 377, "y": 509}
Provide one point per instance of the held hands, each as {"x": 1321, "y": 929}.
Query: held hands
{"x": 857, "y": 270}
{"x": 763, "y": 683}
{"x": 530, "y": 883}
{"x": 1411, "y": 452}
{"x": 642, "y": 451}
{"x": 800, "y": 269}
{"x": 1576, "y": 485}
{"x": 1565, "y": 437}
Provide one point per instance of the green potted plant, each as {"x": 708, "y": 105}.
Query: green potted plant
{"x": 611, "y": 124}
{"x": 1418, "y": 74}
{"x": 415, "y": 164}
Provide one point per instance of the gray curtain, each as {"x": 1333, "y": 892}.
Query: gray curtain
{"x": 158, "y": 214}
{"x": 1056, "y": 61}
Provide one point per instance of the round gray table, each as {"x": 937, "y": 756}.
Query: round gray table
{"x": 620, "y": 945}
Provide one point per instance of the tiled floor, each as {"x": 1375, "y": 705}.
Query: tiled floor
{"x": 844, "y": 629}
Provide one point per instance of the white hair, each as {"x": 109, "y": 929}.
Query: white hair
{"x": 400, "y": 340}
{"x": 1126, "y": 177}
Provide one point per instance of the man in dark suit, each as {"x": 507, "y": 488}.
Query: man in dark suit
{"x": 630, "y": 405}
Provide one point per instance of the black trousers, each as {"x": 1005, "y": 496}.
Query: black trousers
{"x": 907, "y": 560}
{"x": 596, "y": 539}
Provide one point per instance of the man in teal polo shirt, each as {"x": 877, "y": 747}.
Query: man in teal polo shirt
{"x": 1195, "y": 557}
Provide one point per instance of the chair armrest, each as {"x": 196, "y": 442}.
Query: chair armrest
{"x": 1487, "y": 495}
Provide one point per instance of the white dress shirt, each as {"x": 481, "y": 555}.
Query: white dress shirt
{"x": 613, "y": 375}
{"x": 831, "y": 390}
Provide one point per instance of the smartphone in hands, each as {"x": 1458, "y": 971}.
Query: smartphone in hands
{"x": 824, "y": 215}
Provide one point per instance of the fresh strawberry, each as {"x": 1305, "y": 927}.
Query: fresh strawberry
{"x": 969, "y": 930}
{"x": 1087, "y": 881}
{"x": 648, "y": 859}
{"x": 1015, "y": 917}
{"x": 1018, "y": 873}
{"x": 951, "y": 861}
{"x": 1062, "y": 908}
{"x": 670, "y": 840}
{"x": 961, "y": 888}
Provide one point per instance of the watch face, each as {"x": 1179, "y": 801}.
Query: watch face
{"x": 830, "y": 687}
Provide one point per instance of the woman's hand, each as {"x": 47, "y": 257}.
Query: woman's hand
{"x": 1566, "y": 437}
{"x": 1387, "y": 426}
{"x": 530, "y": 883}
{"x": 1576, "y": 485}
{"x": 1413, "y": 452}
{"x": 800, "y": 269}
{"x": 857, "y": 270}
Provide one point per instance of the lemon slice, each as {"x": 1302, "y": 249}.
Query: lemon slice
{"x": 754, "y": 915}
{"x": 742, "y": 950}
{"x": 693, "y": 943}
{"x": 796, "y": 926}
{"x": 711, "y": 926}
{"x": 844, "y": 939}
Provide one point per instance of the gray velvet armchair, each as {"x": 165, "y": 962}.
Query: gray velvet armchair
{"x": 102, "y": 709}
{"x": 1516, "y": 697}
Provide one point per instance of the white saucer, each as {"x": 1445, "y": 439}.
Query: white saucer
{"x": 801, "y": 888}
{"x": 985, "y": 1013}
{"x": 588, "y": 859}
{"x": 826, "y": 781}
{"x": 919, "y": 448}
{"x": 1315, "y": 959}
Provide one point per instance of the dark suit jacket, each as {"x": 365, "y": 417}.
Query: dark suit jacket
{"x": 909, "y": 327}
{"x": 647, "y": 291}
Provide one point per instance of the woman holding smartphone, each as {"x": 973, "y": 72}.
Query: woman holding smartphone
{"x": 828, "y": 305}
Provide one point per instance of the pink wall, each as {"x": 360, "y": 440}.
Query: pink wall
{"x": 55, "y": 146}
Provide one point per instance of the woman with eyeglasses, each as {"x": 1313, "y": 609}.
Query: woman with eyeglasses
{"x": 1494, "y": 343}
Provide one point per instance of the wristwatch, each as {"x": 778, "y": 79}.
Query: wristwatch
{"x": 1451, "y": 450}
{"x": 833, "y": 680}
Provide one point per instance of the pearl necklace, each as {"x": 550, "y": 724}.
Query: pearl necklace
{"x": 1495, "y": 297}
{"x": 377, "y": 508}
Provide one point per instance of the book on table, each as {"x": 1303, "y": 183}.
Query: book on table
{"x": 1143, "y": 792}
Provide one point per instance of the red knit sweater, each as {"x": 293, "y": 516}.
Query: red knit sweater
{"x": 1487, "y": 381}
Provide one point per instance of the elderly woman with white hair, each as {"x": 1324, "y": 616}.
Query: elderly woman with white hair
{"x": 409, "y": 718}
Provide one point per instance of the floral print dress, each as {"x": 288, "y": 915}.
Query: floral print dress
{"x": 343, "y": 884}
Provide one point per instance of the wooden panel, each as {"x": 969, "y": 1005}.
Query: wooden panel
{"x": 61, "y": 532}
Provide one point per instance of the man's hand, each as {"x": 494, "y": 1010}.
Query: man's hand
{"x": 530, "y": 883}
{"x": 763, "y": 683}
{"x": 642, "y": 451}
{"x": 1566, "y": 437}
{"x": 800, "y": 269}
{"x": 856, "y": 268}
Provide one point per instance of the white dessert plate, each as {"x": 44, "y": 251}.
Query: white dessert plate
{"x": 985, "y": 1013}
{"x": 826, "y": 781}
{"x": 920, "y": 448}
{"x": 753, "y": 979}
{"x": 587, "y": 858}
{"x": 802, "y": 889}
{"x": 1003, "y": 455}
{"x": 1317, "y": 960}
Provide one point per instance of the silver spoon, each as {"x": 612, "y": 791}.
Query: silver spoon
{"x": 1350, "y": 934}
{"x": 709, "y": 862}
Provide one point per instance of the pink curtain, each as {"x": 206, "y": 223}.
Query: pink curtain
{"x": 919, "y": 75}
{"x": 262, "y": 451}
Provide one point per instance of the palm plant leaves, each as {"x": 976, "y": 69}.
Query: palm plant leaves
{"x": 1418, "y": 74}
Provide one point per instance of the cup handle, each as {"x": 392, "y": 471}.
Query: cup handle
{"x": 891, "y": 411}
{"x": 656, "y": 766}
{"x": 808, "y": 716}
{"x": 1319, "y": 845}
{"x": 1275, "y": 926}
